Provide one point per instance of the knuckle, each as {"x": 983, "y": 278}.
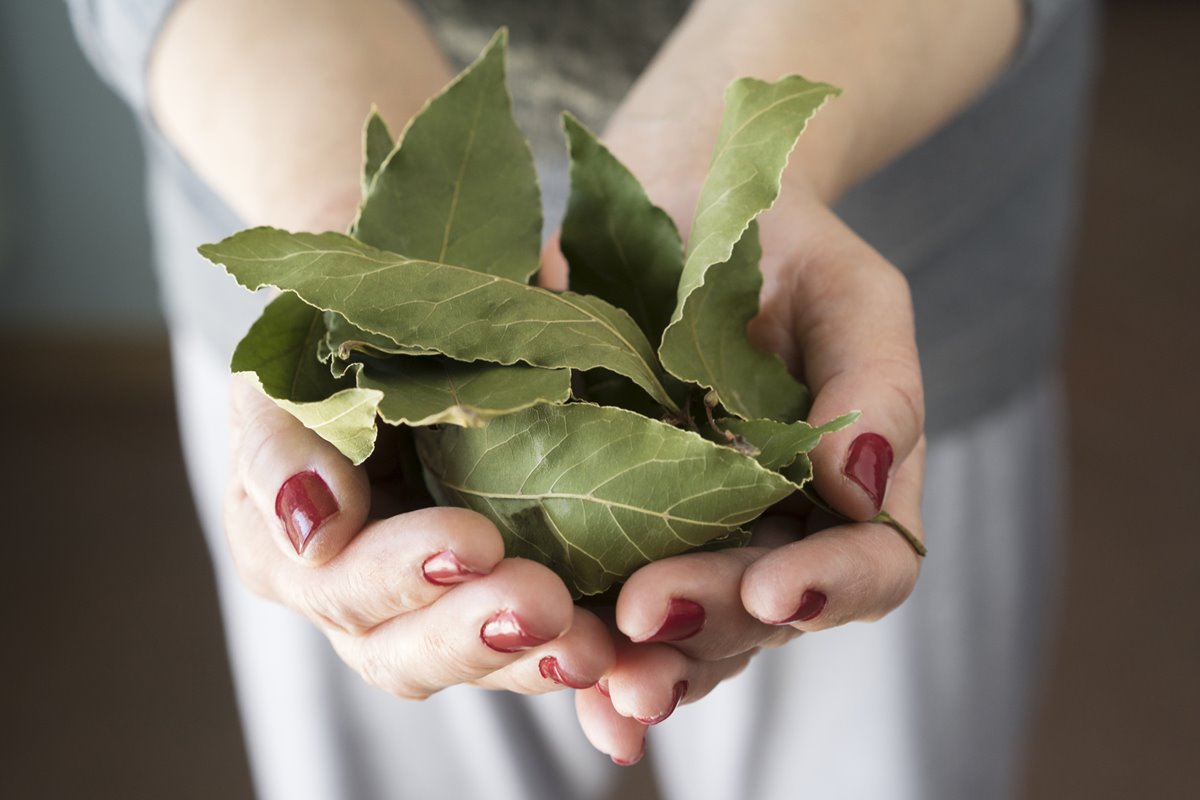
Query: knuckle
{"x": 323, "y": 604}
{"x": 910, "y": 397}
{"x": 382, "y": 674}
{"x": 260, "y": 429}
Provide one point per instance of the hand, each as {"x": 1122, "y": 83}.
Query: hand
{"x": 841, "y": 317}
{"x": 415, "y": 602}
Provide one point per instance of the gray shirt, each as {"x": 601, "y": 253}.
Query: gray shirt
{"x": 978, "y": 217}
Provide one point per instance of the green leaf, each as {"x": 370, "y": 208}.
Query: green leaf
{"x": 377, "y": 144}
{"x": 620, "y": 246}
{"x": 428, "y": 198}
{"x": 429, "y": 391}
{"x": 605, "y": 388}
{"x": 279, "y": 350}
{"x": 716, "y": 291}
{"x": 596, "y": 492}
{"x": 342, "y": 340}
{"x": 461, "y": 187}
{"x": 779, "y": 443}
{"x": 459, "y": 312}
{"x": 709, "y": 346}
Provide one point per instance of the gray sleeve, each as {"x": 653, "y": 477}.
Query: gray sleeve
{"x": 117, "y": 36}
{"x": 1041, "y": 18}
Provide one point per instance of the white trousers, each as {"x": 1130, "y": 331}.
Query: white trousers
{"x": 932, "y": 702}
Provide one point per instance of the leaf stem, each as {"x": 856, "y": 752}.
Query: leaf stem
{"x": 737, "y": 442}
{"x": 882, "y": 518}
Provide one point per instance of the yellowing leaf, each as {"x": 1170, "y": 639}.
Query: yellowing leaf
{"x": 280, "y": 352}
{"x": 436, "y": 390}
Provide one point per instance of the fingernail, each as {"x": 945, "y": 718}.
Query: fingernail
{"x": 602, "y": 686}
{"x": 685, "y": 618}
{"x": 444, "y": 569}
{"x": 680, "y": 691}
{"x": 868, "y": 463}
{"x": 629, "y": 762}
{"x": 812, "y": 603}
{"x": 304, "y": 502}
{"x": 504, "y": 633}
{"x": 552, "y": 671}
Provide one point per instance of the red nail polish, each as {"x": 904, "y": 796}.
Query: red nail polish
{"x": 685, "y": 618}
{"x": 868, "y": 463}
{"x": 444, "y": 569}
{"x": 812, "y": 603}
{"x": 629, "y": 762}
{"x": 602, "y": 686}
{"x": 680, "y": 690}
{"x": 552, "y": 671}
{"x": 303, "y": 504}
{"x": 504, "y": 633}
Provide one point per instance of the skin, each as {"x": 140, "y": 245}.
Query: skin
{"x": 269, "y": 114}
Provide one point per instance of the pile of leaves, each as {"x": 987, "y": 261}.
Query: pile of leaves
{"x": 602, "y": 428}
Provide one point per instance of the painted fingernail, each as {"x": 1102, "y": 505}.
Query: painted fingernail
{"x": 680, "y": 690}
{"x": 868, "y": 463}
{"x": 629, "y": 762}
{"x": 685, "y": 618}
{"x": 504, "y": 633}
{"x": 552, "y": 671}
{"x": 303, "y": 504}
{"x": 602, "y": 686}
{"x": 812, "y": 603}
{"x": 444, "y": 569}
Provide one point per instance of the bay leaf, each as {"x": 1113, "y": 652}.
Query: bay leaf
{"x": 460, "y": 187}
{"x": 462, "y": 313}
{"x": 377, "y": 144}
{"x": 605, "y": 388}
{"x": 779, "y": 443}
{"x": 709, "y": 346}
{"x": 596, "y": 492}
{"x": 761, "y": 125}
{"x": 619, "y": 245}
{"x": 279, "y": 350}
{"x": 430, "y": 391}
{"x": 342, "y": 340}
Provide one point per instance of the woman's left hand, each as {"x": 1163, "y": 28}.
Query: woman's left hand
{"x": 841, "y": 317}
{"x": 689, "y": 622}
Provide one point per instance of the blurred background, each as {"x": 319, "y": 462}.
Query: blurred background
{"x": 113, "y": 674}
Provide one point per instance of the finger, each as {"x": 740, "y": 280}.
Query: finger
{"x": 575, "y": 660}
{"x": 478, "y": 628}
{"x": 312, "y": 496}
{"x": 392, "y": 567}
{"x": 620, "y": 738}
{"x": 553, "y": 274}
{"x": 694, "y": 602}
{"x": 650, "y": 681}
{"x": 854, "y": 322}
{"x": 855, "y": 571}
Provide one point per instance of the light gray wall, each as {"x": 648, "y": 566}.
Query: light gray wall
{"x": 74, "y": 244}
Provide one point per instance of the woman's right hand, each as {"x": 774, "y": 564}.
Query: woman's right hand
{"x": 414, "y": 602}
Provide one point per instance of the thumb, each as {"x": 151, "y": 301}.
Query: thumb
{"x": 301, "y": 484}
{"x": 854, "y": 325}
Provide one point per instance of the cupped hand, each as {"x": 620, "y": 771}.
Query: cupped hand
{"x": 414, "y": 602}
{"x": 841, "y": 317}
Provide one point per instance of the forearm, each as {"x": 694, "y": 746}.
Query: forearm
{"x": 905, "y": 69}
{"x": 266, "y": 99}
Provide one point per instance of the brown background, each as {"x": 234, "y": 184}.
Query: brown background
{"x": 114, "y": 679}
